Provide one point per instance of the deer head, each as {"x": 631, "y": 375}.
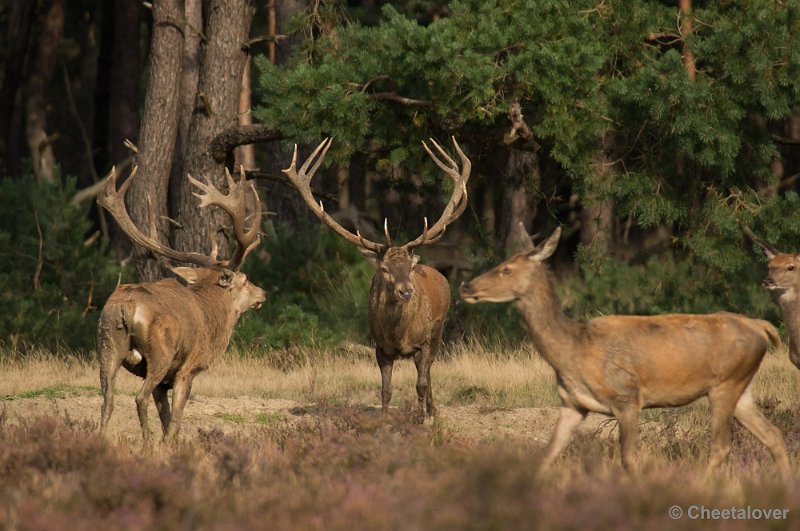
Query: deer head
{"x": 394, "y": 263}
{"x": 224, "y": 273}
{"x": 512, "y": 279}
{"x": 784, "y": 269}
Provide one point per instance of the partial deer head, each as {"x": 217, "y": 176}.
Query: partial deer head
{"x": 394, "y": 262}
{"x": 223, "y": 273}
{"x": 512, "y": 279}
{"x": 784, "y": 268}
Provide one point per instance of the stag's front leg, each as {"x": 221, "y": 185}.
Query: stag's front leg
{"x": 180, "y": 394}
{"x": 423, "y": 360}
{"x": 386, "y": 364}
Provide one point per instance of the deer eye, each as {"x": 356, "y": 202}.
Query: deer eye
{"x": 384, "y": 269}
{"x": 505, "y": 271}
{"x": 790, "y": 268}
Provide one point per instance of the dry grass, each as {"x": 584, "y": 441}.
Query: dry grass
{"x": 344, "y": 463}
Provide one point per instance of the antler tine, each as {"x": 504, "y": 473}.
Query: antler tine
{"x": 234, "y": 203}
{"x": 458, "y": 200}
{"x": 113, "y": 200}
{"x": 302, "y": 181}
{"x": 386, "y": 231}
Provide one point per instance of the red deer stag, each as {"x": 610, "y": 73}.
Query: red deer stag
{"x": 619, "y": 364}
{"x": 408, "y": 301}
{"x": 167, "y": 332}
{"x": 784, "y": 278}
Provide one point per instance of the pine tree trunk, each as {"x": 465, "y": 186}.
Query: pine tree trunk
{"x": 159, "y": 129}
{"x": 525, "y": 174}
{"x": 221, "y": 64}
{"x": 42, "y": 157}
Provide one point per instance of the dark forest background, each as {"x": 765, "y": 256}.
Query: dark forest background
{"x": 651, "y": 131}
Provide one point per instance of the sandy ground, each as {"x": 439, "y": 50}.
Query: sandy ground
{"x": 244, "y": 413}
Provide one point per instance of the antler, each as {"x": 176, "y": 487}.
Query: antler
{"x": 458, "y": 200}
{"x": 302, "y": 181}
{"x": 113, "y": 200}
{"x": 235, "y": 205}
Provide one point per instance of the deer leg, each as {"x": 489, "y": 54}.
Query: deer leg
{"x": 748, "y": 414}
{"x": 110, "y": 348}
{"x": 385, "y": 363}
{"x": 723, "y": 402}
{"x": 628, "y": 418}
{"x": 156, "y": 371}
{"x": 423, "y": 361}
{"x": 568, "y": 420}
{"x": 180, "y": 394}
{"x": 162, "y": 406}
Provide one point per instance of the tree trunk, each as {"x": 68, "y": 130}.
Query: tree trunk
{"x": 159, "y": 128}
{"x": 20, "y": 19}
{"x": 42, "y": 157}
{"x": 221, "y": 64}
{"x": 524, "y": 171}
{"x": 597, "y": 214}
{"x": 245, "y": 155}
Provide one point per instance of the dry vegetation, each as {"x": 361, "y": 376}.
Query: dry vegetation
{"x": 324, "y": 457}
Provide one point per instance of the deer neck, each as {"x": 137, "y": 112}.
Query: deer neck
{"x": 220, "y": 317}
{"x": 790, "y": 307}
{"x": 554, "y": 335}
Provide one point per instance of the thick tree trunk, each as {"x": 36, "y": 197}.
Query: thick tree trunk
{"x": 597, "y": 214}
{"x": 42, "y": 157}
{"x": 188, "y": 96}
{"x": 221, "y": 64}
{"x": 245, "y": 155}
{"x": 159, "y": 128}
{"x": 20, "y": 19}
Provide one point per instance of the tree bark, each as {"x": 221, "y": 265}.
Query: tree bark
{"x": 159, "y": 129}
{"x": 20, "y": 19}
{"x": 41, "y": 150}
{"x": 189, "y": 78}
{"x": 222, "y": 61}
{"x": 523, "y": 168}
{"x": 244, "y": 155}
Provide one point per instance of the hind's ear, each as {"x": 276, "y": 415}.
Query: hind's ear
{"x": 525, "y": 240}
{"x": 768, "y": 250}
{"x": 546, "y": 248}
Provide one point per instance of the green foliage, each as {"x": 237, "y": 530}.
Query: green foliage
{"x": 52, "y": 278}
{"x": 317, "y": 288}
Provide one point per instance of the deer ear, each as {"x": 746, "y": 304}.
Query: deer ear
{"x": 525, "y": 240}
{"x": 546, "y": 248}
{"x": 226, "y": 278}
{"x": 190, "y": 274}
{"x": 768, "y": 250}
{"x": 371, "y": 256}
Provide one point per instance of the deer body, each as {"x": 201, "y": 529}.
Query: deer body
{"x": 166, "y": 331}
{"x": 408, "y": 302}
{"x": 618, "y": 365}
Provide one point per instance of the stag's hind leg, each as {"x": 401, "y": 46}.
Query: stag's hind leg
{"x": 162, "y": 406}
{"x": 112, "y": 347}
{"x": 749, "y": 415}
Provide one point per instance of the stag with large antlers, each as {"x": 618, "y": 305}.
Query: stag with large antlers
{"x": 408, "y": 301}
{"x": 167, "y": 332}
{"x": 619, "y": 364}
